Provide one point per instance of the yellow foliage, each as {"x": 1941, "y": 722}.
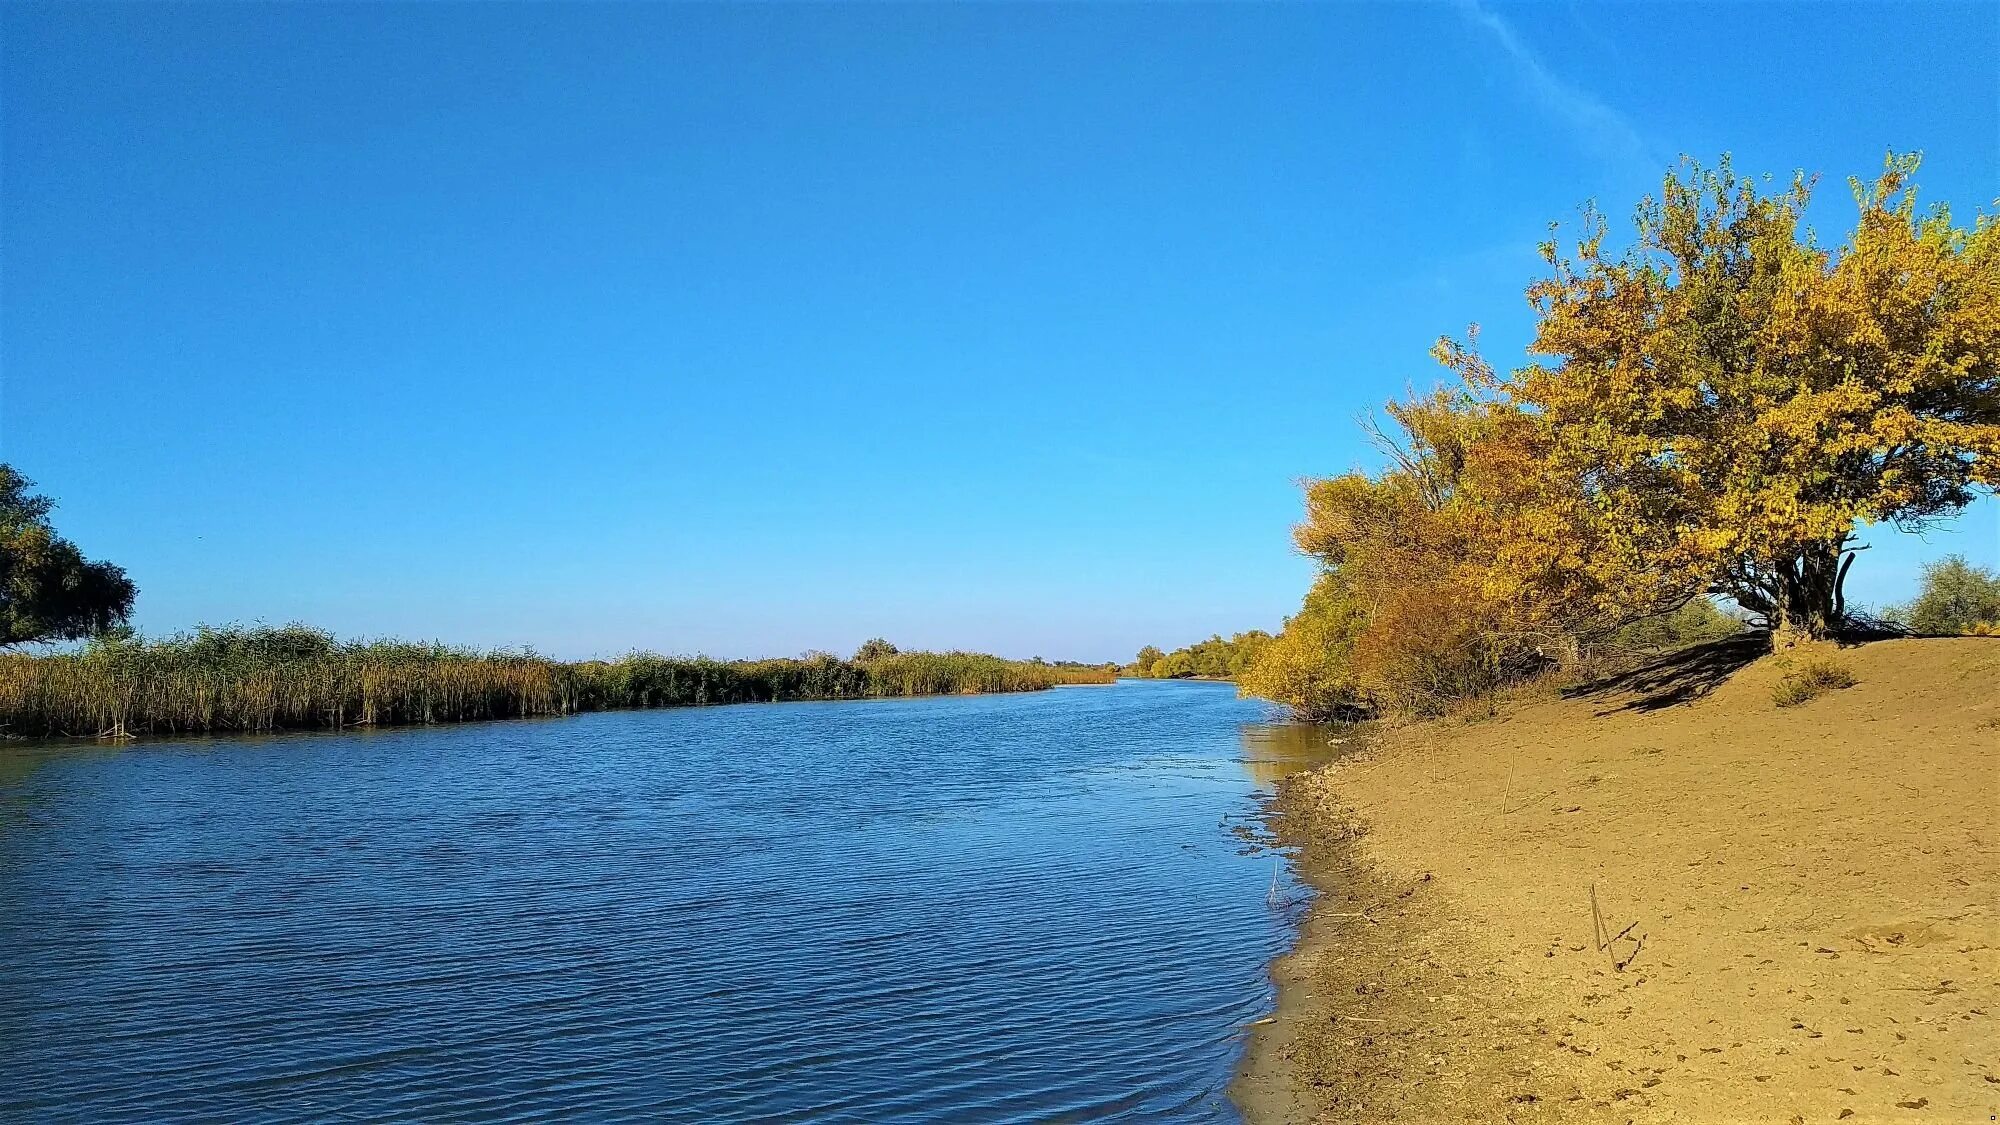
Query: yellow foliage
{"x": 1737, "y": 399}
{"x": 1308, "y": 666}
{"x": 1454, "y": 570}
{"x": 1726, "y": 403}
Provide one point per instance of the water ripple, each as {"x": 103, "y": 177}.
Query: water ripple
{"x": 1020, "y": 908}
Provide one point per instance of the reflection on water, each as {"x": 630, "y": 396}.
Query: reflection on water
{"x": 1009, "y": 908}
{"x": 1275, "y": 751}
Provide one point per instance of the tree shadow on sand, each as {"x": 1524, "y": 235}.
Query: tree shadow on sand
{"x": 1678, "y": 677}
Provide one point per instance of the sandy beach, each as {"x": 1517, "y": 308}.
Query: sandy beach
{"x": 1659, "y": 897}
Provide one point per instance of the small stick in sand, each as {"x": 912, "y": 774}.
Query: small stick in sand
{"x": 1607, "y": 943}
{"x": 1620, "y": 965}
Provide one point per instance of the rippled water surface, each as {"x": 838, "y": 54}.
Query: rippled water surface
{"x": 1008, "y": 908}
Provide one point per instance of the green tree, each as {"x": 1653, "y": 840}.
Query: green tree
{"x": 1147, "y": 658}
{"x": 48, "y": 590}
{"x": 1309, "y": 665}
{"x": 874, "y": 649}
{"x": 1957, "y": 597}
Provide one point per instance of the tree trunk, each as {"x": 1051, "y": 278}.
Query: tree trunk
{"x": 1807, "y": 604}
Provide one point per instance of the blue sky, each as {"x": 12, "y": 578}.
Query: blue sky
{"x": 761, "y": 328}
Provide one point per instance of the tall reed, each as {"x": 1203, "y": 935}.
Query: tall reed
{"x": 265, "y": 679}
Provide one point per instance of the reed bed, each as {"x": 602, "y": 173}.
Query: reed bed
{"x": 267, "y": 679}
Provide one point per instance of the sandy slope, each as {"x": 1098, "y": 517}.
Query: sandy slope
{"x": 1815, "y": 887}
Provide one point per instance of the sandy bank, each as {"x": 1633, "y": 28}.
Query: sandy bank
{"x": 1815, "y": 888}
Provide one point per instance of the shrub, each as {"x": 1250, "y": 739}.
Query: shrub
{"x": 1697, "y": 622}
{"x": 1309, "y": 666}
{"x": 1957, "y": 598}
{"x": 875, "y": 649}
{"x": 1810, "y": 680}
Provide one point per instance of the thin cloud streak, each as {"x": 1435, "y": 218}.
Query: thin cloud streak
{"x": 1599, "y": 125}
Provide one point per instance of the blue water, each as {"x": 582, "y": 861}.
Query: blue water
{"x": 1035, "y": 907}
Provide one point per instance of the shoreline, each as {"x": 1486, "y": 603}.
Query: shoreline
{"x": 1810, "y": 893}
{"x": 1355, "y": 992}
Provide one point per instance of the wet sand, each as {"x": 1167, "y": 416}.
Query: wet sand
{"x": 1800, "y": 906}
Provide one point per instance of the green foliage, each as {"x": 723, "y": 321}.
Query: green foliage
{"x": 294, "y": 676}
{"x": 1697, "y": 622}
{"x": 875, "y": 648}
{"x": 1811, "y": 679}
{"x": 1214, "y": 658}
{"x": 1309, "y": 665}
{"x": 1957, "y": 598}
{"x": 48, "y": 590}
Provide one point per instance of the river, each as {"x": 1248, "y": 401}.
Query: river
{"x": 1040, "y": 907}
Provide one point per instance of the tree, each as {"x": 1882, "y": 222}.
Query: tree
{"x": 1957, "y": 597}
{"x": 1458, "y": 566}
{"x": 1213, "y": 657}
{"x": 1722, "y": 407}
{"x": 875, "y": 648}
{"x": 1733, "y": 401}
{"x": 1309, "y": 665}
{"x": 48, "y": 590}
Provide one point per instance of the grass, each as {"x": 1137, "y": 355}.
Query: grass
{"x": 1810, "y": 680}
{"x": 294, "y": 677}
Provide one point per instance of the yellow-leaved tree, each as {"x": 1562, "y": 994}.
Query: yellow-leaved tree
{"x": 1723, "y": 406}
{"x": 1733, "y": 401}
{"x": 1448, "y": 572}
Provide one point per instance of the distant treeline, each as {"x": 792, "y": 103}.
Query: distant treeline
{"x": 296, "y": 677}
{"x": 1213, "y": 658}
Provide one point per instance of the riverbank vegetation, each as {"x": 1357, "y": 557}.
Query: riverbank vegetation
{"x": 262, "y": 678}
{"x": 266, "y": 678}
{"x": 1714, "y": 414}
{"x": 1213, "y": 659}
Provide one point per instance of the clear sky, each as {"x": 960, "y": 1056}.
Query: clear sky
{"x": 761, "y": 328}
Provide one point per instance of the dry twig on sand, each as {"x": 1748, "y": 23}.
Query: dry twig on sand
{"x": 1607, "y": 941}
